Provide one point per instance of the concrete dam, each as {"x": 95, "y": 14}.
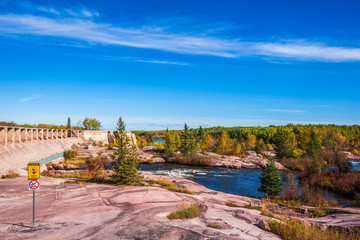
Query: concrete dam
{"x": 19, "y": 145}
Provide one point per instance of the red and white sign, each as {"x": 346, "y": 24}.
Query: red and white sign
{"x": 34, "y": 185}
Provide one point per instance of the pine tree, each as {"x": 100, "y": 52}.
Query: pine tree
{"x": 271, "y": 180}
{"x": 69, "y": 127}
{"x": 187, "y": 142}
{"x": 125, "y": 171}
{"x": 200, "y": 134}
{"x": 314, "y": 144}
{"x": 283, "y": 143}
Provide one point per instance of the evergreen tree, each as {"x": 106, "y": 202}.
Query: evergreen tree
{"x": 200, "y": 139}
{"x": 259, "y": 146}
{"x": 188, "y": 146}
{"x": 270, "y": 180}
{"x": 68, "y": 126}
{"x": 314, "y": 145}
{"x": 125, "y": 171}
{"x": 200, "y": 134}
{"x": 283, "y": 143}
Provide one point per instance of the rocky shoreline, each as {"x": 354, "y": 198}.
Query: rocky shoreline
{"x": 251, "y": 160}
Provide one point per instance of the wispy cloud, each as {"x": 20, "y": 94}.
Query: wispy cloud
{"x": 285, "y": 110}
{"x": 163, "y": 62}
{"x": 48, "y": 10}
{"x": 80, "y": 26}
{"x": 83, "y": 12}
{"x": 133, "y": 59}
{"x": 321, "y": 106}
{"x": 29, "y": 98}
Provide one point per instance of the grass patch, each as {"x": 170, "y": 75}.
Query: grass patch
{"x": 230, "y": 204}
{"x": 286, "y": 203}
{"x": 171, "y": 186}
{"x": 319, "y": 212}
{"x": 70, "y": 154}
{"x": 10, "y": 175}
{"x": 252, "y": 207}
{"x": 295, "y": 230}
{"x": 266, "y": 212}
{"x": 77, "y": 161}
{"x": 185, "y": 212}
{"x": 215, "y": 225}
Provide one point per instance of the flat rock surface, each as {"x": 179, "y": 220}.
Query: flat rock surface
{"x": 95, "y": 211}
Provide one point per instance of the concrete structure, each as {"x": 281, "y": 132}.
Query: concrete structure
{"x": 12, "y": 135}
{"x": 19, "y": 145}
{"x": 105, "y": 136}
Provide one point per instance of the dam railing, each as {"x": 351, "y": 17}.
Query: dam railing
{"x": 11, "y": 135}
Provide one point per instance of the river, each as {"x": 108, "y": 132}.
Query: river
{"x": 241, "y": 181}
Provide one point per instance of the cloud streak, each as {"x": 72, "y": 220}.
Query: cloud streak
{"x": 29, "y": 98}
{"x": 80, "y": 29}
{"x": 285, "y": 110}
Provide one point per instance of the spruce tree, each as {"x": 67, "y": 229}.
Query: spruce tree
{"x": 125, "y": 171}
{"x": 187, "y": 142}
{"x": 68, "y": 126}
{"x": 271, "y": 180}
{"x": 283, "y": 143}
{"x": 314, "y": 144}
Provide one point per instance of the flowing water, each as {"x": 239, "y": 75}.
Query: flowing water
{"x": 241, "y": 181}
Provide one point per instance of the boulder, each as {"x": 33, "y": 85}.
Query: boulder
{"x": 70, "y": 167}
{"x": 58, "y": 166}
{"x": 264, "y": 225}
{"x": 158, "y": 160}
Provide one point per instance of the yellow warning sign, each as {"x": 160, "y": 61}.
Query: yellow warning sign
{"x": 33, "y": 170}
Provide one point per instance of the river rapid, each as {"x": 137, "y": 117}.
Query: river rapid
{"x": 241, "y": 181}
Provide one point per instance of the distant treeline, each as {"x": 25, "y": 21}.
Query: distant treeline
{"x": 267, "y": 134}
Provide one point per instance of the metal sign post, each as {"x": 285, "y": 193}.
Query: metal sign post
{"x": 33, "y": 182}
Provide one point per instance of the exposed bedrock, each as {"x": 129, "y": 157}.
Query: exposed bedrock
{"x": 94, "y": 211}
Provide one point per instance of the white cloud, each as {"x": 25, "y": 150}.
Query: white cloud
{"x": 163, "y": 62}
{"x": 83, "y": 12}
{"x": 29, "y": 98}
{"x": 309, "y": 51}
{"x": 114, "y": 58}
{"x": 48, "y": 10}
{"x": 285, "y": 110}
{"x": 78, "y": 28}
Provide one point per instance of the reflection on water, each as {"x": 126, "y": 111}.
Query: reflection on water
{"x": 236, "y": 181}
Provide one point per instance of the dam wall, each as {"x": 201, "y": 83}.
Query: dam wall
{"x": 106, "y": 136}
{"x": 18, "y": 145}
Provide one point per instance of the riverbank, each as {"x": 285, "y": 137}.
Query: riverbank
{"x": 251, "y": 160}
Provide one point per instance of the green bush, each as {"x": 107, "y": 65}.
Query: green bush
{"x": 185, "y": 212}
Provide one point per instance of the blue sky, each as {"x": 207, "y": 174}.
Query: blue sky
{"x": 160, "y": 64}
